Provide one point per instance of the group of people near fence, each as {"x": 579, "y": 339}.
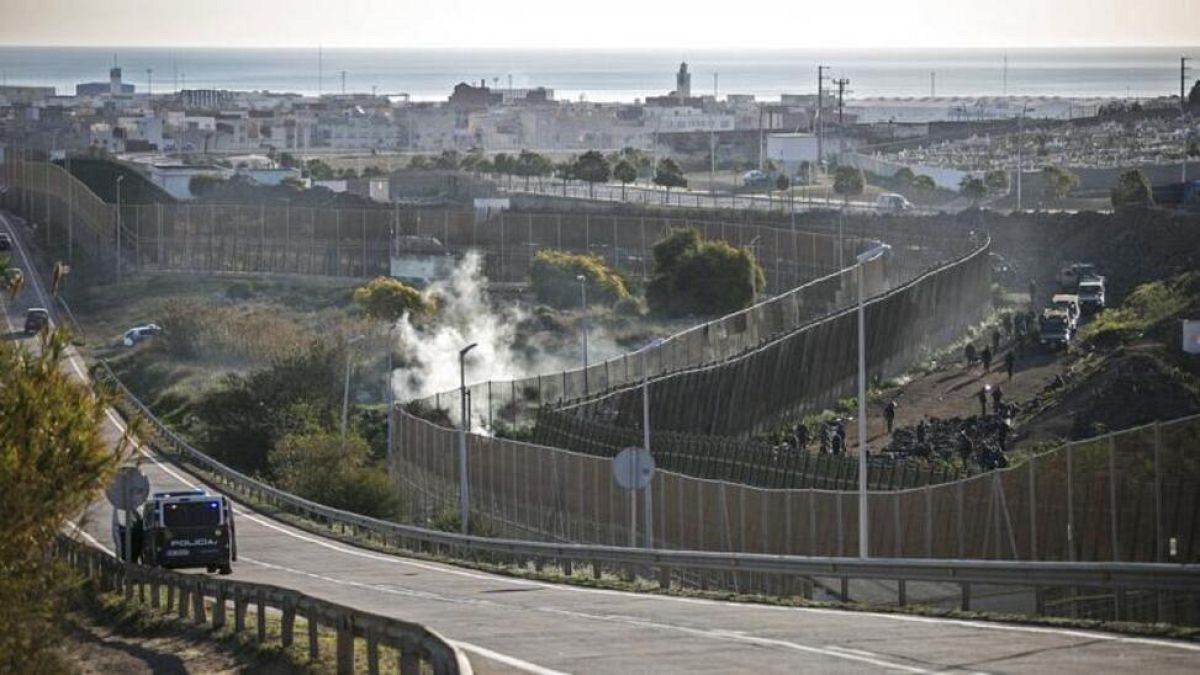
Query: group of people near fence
{"x": 831, "y": 436}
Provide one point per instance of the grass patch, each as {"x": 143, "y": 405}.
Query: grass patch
{"x": 1148, "y": 306}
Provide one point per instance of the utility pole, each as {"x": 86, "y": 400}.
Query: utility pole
{"x": 841, "y": 83}
{"x": 1005, "y": 76}
{"x": 1183, "y": 114}
{"x": 343, "y": 83}
{"x": 149, "y": 84}
{"x": 932, "y": 84}
{"x": 320, "y": 73}
{"x": 820, "y": 114}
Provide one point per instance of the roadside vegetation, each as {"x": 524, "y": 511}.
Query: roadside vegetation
{"x": 53, "y": 463}
{"x": 698, "y": 276}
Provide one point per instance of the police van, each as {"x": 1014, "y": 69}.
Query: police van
{"x": 189, "y": 528}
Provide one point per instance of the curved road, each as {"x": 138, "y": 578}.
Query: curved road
{"x": 514, "y": 625}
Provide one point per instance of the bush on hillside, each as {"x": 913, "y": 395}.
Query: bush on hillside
{"x": 318, "y": 465}
{"x": 693, "y": 275}
{"x": 387, "y": 299}
{"x": 555, "y": 276}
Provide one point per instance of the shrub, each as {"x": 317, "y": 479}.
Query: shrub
{"x": 848, "y": 181}
{"x": 1132, "y": 189}
{"x": 693, "y": 275}
{"x": 555, "y": 279}
{"x": 321, "y": 467}
{"x": 388, "y": 299}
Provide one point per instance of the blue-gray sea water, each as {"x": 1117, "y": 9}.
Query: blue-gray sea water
{"x": 623, "y": 75}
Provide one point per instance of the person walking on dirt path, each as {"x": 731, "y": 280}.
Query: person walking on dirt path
{"x": 801, "y": 436}
{"x": 997, "y": 401}
{"x": 995, "y": 340}
{"x": 922, "y": 429}
{"x": 986, "y": 355}
{"x": 1032, "y": 293}
{"x": 1010, "y": 361}
{"x": 1008, "y": 324}
{"x": 969, "y": 352}
{"x": 983, "y": 397}
{"x": 889, "y": 415}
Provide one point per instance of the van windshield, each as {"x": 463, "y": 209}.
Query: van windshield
{"x": 192, "y": 514}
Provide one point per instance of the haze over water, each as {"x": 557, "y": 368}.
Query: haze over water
{"x": 617, "y": 75}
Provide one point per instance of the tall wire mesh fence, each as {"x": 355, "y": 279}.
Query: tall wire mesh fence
{"x": 1128, "y": 496}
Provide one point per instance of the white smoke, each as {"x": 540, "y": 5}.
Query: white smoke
{"x": 429, "y": 352}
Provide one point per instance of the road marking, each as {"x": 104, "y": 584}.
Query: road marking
{"x": 505, "y": 659}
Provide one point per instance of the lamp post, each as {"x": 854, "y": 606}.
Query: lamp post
{"x": 582, "y": 279}
{"x": 863, "y": 522}
{"x": 389, "y": 395}
{"x": 346, "y": 388}
{"x": 120, "y": 179}
{"x": 464, "y": 496}
{"x": 648, "y": 501}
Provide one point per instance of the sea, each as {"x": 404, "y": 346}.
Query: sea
{"x": 616, "y": 75}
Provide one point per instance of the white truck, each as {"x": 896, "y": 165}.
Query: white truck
{"x": 1054, "y": 328}
{"x": 1091, "y": 294}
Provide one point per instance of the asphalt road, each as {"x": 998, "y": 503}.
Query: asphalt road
{"x": 507, "y": 624}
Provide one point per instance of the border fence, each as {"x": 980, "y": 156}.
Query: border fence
{"x": 1127, "y": 496}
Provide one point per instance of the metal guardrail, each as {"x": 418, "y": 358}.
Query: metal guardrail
{"x": 186, "y": 594}
{"x": 1120, "y": 578}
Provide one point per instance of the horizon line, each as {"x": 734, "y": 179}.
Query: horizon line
{"x": 655, "y": 48}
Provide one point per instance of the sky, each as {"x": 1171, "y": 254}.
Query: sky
{"x": 601, "y": 24}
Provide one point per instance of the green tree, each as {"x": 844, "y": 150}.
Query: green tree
{"x": 205, "y": 184}
{"x": 293, "y": 184}
{"x": 1059, "y": 182}
{"x": 447, "y": 161}
{"x": 924, "y": 183}
{"x": 529, "y": 164}
{"x": 1132, "y": 189}
{"x": 782, "y": 182}
{"x": 419, "y": 163}
{"x": 848, "y": 181}
{"x": 591, "y": 167}
{"x": 996, "y": 180}
{"x": 242, "y": 419}
{"x": 288, "y": 161}
{"x": 904, "y": 176}
{"x": 973, "y": 188}
{"x": 387, "y": 299}
{"x": 318, "y": 465}
{"x": 319, "y": 170}
{"x": 626, "y": 172}
{"x": 554, "y": 275}
{"x": 668, "y": 175}
{"x": 1194, "y": 94}
{"x": 374, "y": 172}
{"x": 54, "y": 462}
{"x": 693, "y": 275}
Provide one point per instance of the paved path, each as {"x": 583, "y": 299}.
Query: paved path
{"x": 508, "y": 624}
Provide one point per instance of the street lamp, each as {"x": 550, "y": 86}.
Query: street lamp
{"x": 863, "y": 258}
{"x": 120, "y": 178}
{"x": 464, "y": 496}
{"x": 389, "y": 395}
{"x": 582, "y": 279}
{"x": 346, "y": 388}
{"x": 648, "y": 502}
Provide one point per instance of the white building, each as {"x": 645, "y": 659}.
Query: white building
{"x": 679, "y": 119}
{"x": 789, "y": 151}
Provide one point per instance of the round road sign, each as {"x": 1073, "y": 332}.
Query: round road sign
{"x": 129, "y": 489}
{"x": 633, "y": 468}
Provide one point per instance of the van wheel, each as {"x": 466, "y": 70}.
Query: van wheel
{"x": 212, "y": 568}
{"x": 226, "y": 569}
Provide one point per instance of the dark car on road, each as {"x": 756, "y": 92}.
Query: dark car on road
{"x": 36, "y": 319}
{"x": 5, "y": 242}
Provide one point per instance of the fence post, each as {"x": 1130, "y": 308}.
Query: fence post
{"x": 410, "y": 660}
{"x": 288, "y": 624}
{"x": 1112, "y": 497}
{"x": 313, "y": 642}
{"x": 219, "y": 607}
{"x": 183, "y": 600}
{"x": 345, "y": 645}
{"x": 198, "y": 602}
{"x": 261, "y": 618}
{"x": 1033, "y": 514}
{"x": 372, "y": 652}
{"x": 1070, "y": 504}
{"x": 239, "y": 610}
